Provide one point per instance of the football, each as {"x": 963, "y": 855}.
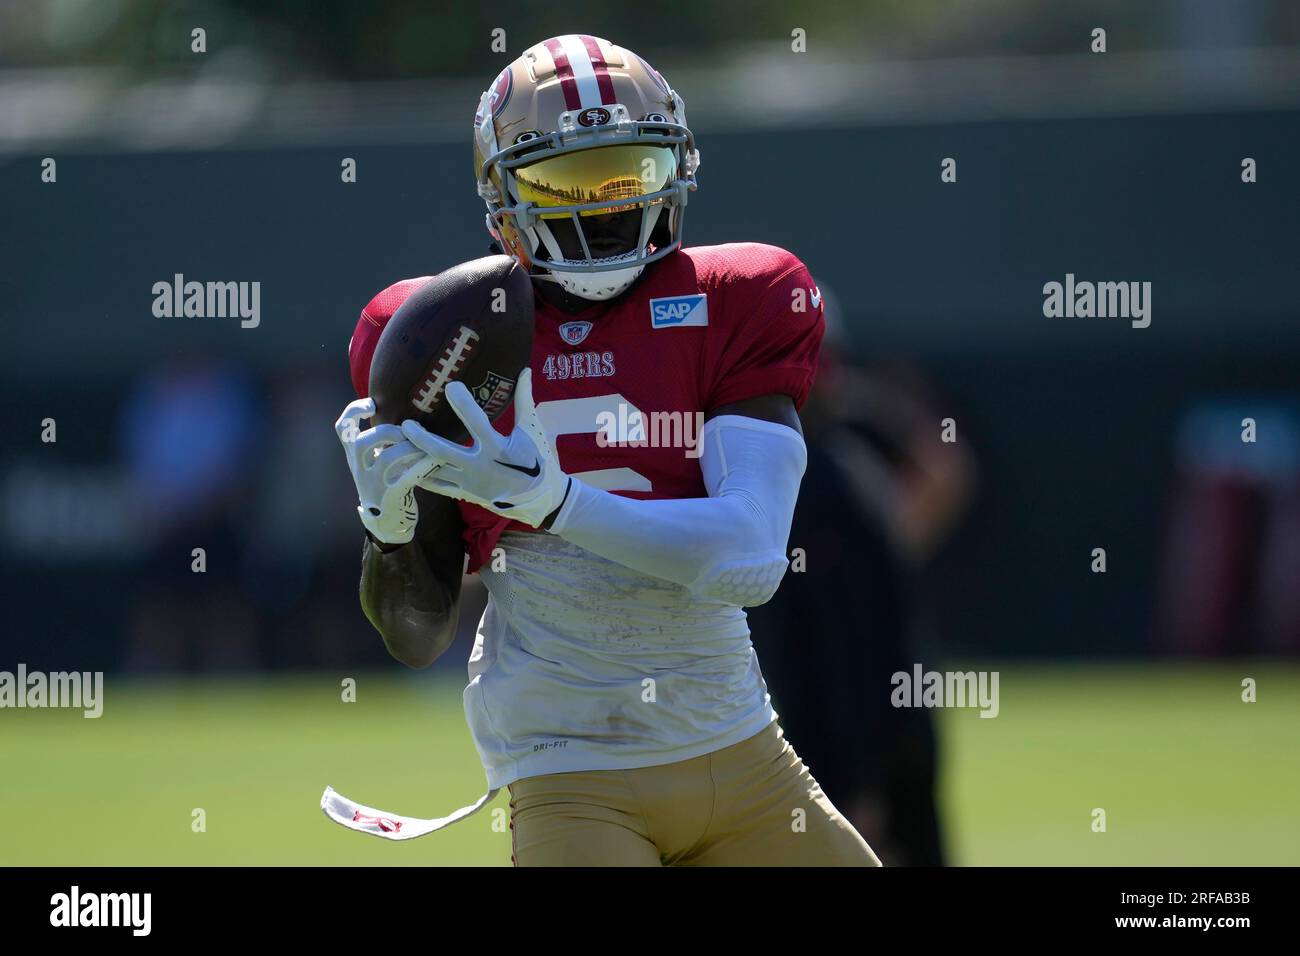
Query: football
{"x": 472, "y": 323}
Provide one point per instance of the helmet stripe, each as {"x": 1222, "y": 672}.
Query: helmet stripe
{"x": 582, "y": 70}
{"x": 565, "y": 73}
{"x": 603, "y": 81}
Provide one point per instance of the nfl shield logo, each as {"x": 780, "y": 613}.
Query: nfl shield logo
{"x": 574, "y": 332}
{"x": 493, "y": 393}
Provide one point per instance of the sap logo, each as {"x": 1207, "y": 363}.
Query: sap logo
{"x": 678, "y": 311}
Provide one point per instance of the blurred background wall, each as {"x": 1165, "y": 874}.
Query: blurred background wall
{"x": 225, "y": 166}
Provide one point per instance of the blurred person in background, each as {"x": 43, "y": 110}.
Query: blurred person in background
{"x": 1231, "y": 553}
{"x": 299, "y": 571}
{"x": 881, "y": 495}
{"x": 189, "y": 428}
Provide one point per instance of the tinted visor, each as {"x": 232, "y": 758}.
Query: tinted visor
{"x": 602, "y": 174}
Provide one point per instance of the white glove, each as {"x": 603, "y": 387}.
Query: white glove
{"x": 516, "y": 476}
{"x": 386, "y": 468}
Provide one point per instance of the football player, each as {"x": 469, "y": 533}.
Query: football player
{"x": 613, "y": 686}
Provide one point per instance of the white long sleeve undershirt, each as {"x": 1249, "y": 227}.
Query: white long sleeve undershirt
{"x": 728, "y": 547}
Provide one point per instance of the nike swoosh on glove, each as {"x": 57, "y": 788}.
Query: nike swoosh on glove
{"x": 385, "y": 468}
{"x": 517, "y": 475}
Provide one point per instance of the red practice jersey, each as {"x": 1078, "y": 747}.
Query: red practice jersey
{"x": 702, "y": 328}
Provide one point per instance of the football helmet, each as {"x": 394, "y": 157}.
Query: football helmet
{"x": 575, "y": 128}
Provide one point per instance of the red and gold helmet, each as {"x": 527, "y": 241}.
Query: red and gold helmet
{"x": 578, "y": 127}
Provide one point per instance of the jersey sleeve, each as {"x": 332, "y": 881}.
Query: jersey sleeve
{"x": 772, "y": 339}
{"x": 361, "y": 348}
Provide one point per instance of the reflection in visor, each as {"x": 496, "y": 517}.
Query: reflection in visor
{"x": 597, "y": 175}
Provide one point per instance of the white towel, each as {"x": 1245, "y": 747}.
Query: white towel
{"x": 391, "y": 826}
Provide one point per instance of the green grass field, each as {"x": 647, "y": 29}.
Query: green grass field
{"x": 1186, "y": 772}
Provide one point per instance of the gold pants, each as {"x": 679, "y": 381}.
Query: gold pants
{"x": 751, "y": 804}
